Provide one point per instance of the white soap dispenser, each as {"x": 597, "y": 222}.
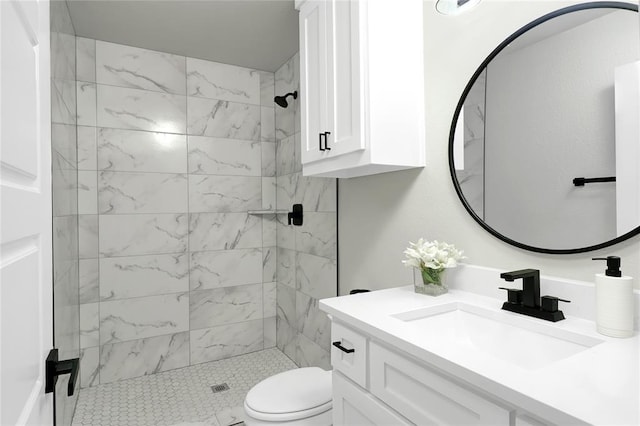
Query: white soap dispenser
{"x": 614, "y": 300}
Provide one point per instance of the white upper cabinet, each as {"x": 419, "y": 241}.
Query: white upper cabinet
{"x": 362, "y": 97}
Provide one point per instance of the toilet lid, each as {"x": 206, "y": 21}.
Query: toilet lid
{"x": 298, "y": 390}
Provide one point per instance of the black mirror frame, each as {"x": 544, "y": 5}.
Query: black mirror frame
{"x": 467, "y": 89}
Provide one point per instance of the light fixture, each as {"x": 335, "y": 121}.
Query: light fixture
{"x": 455, "y": 7}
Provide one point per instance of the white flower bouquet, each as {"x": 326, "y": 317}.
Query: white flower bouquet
{"x": 432, "y": 258}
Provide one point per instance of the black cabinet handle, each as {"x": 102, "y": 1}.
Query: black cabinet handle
{"x": 320, "y": 141}
{"x": 55, "y": 368}
{"x": 342, "y": 348}
{"x": 326, "y": 143}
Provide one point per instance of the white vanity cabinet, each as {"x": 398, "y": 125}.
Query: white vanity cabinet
{"x": 378, "y": 385}
{"x": 361, "y": 78}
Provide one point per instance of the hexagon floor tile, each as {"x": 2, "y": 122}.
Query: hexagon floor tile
{"x": 181, "y": 397}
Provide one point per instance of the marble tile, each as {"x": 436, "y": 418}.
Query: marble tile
{"x": 215, "y": 80}
{"x": 87, "y": 148}
{"x": 286, "y": 338}
{"x": 297, "y": 155}
{"x": 317, "y": 194}
{"x": 286, "y": 305}
{"x": 124, "y": 192}
{"x": 63, "y": 50}
{"x": 286, "y": 188}
{"x": 223, "y": 119}
{"x": 89, "y": 325}
{"x": 214, "y": 156}
{"x": 269, "y": 300}
{"x": 224, "y": 231}
{"x": 65, "y": 240}
{"x": 286, "y": 77}
{"x": 88, "y": 236}
{"x": 285, "y": 156}
{"x": 285, "y": 119}
{"x": 226, "y": 268}
{"x": 86, "y": 101}
{"x": 269, "y": 264}
{"x": 64, "y": 182}
{"x": 267, "y": 88}
{"x": 268, "y": 159}
{"x": 268, "y": 193}
{"x": 89, "y": 367}
{"x": 135, "y": 358}
{"x": 269, "y": 230}
{"x": 126, "y": 235}
{"x": 286, "y": 267}
{"x": 136, "y": 151}
{"x": 87, "y": 192}
{"x": 270, "y": 332}
{"x": 138, "y": 318}
{"x": 311, "y": 321}
{"x": 63, "y": 101}
{"x": 132, "y": 67}
{"x": 223, "y": 194}
{"x": 267, "y": 124}
{"x": 86, "y": 59}
{"x": 137, "y": 276}
{"x": 226, "y": 305}
{"x": 211, "y": 344}
{"x": 135, "y": 109}
{"x": 309, "y": 354}
{"x": 285, "y": 233}
{"x": 63, "y": 141}
{"x": 89, "y": 284}
{"x": 231, "y": 416}
{"x": 318, "y": 235}
{"x": 316, "y": 276}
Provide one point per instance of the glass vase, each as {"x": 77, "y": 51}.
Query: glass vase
{"x": 431, "y": 282}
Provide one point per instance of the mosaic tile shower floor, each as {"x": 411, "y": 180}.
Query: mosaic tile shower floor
{"x": 180, "y": 397}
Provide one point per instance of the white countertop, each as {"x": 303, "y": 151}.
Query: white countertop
{"x": 600, "y": 385}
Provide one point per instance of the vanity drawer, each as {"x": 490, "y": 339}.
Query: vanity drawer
{"x": 349, "y": 353}
{"x": 424, "y": 396}
{"x": 353, "y": 406}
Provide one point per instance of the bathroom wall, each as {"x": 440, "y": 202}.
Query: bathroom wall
{"x": 402, "y": 206}
{"x": 172, "y": 154}
{"x": 64, "y": 176}
{"x": 307, "y": 254}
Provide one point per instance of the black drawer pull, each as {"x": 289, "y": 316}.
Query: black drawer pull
{"x": 320, "y": 141}
{"x": 342, "y": 348}
{"x": 326, "y": 142}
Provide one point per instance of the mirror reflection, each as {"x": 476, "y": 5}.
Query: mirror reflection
{"x": 544, "y": 111}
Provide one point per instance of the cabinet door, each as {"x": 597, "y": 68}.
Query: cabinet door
{"x": 352, "y": 406}
{"x": 344, "y": 81}
{"x": 313, "y": 78}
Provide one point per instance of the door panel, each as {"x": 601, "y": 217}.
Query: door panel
{"x": 25, "y": 212}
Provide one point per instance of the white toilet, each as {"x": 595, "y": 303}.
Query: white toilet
{"x": 300, "y": 397}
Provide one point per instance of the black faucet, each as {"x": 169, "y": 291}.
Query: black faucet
{"x": 530, "y": 285}
{"x": 527, "y": 301}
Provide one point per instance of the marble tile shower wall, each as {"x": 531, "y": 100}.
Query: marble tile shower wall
{"x": 64, "y": 179}
{"x": 307, "y": 255}
{"x": 172, "y": 154}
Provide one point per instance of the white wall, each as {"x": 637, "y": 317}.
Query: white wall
{"x": 379, "y": 214}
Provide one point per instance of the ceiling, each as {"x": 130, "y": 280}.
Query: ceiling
{"x": 259, "y": 34}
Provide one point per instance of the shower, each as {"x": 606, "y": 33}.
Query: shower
{"x": 282, "y": 100}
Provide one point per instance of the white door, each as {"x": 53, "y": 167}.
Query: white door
{"x": 313, "y": 80}
{"x": 25, "y": 213}
{"x": 345, "y": 84}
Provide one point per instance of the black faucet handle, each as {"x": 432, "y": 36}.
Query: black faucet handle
{"x": 550, "y": 303}
{"x": 514, "y": 295}
{"x": 522, "y": 273}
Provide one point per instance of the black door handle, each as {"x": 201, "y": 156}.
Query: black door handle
{"x": 326, "y": 143}
{"x": 342, "y": 348}
{"x": 320, "y": 141}
{"x": 55, "y": 368}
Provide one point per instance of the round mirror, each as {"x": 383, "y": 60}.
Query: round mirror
{"x": 544, "y": 146}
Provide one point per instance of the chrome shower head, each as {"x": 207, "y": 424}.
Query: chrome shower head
{"x": 282, "y": 100}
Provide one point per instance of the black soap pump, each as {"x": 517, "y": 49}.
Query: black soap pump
{"x": 614, "y": 300}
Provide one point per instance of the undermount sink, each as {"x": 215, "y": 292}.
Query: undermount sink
{"x": 524, "y": 342}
